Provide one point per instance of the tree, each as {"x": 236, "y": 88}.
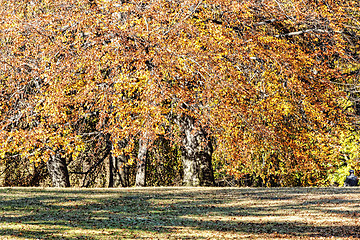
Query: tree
{"x": 250, "y": 83}
{"x": 119, "y": 169}
{"x": 141, "y": 163}
{"x": 196, "y": 153}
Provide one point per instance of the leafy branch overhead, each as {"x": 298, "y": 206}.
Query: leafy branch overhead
{"x": 266, "y": 81}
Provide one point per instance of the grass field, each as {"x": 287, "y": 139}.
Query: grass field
{"x": 180, "y": 213}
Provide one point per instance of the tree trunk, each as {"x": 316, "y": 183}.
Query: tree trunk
{"x": 196, "y": 153}
{"x": 123, "y": 171}
{"x": 58, "y": 171}
{"x": 119, "y": 172}
{"x": 111, "y": 171}
{"x": 38, "y": 174}
{"x": 2, "y": 173}
{"x": 86, "y": 167}
{"x": 140, "y": 180}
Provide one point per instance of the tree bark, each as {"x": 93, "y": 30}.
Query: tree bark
{"x": 196, "y": 154}
{"x": 86, "y": 167}
{"x": 123, "y": 171}
{"x": 111, "y": 171}
{"x": 92, "y": 166}
{"x": 140, "y": 180}
{"x": 58, "y": 171}
{"x": 119, "y": 172}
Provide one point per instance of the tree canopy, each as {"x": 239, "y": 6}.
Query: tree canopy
{"x": 266, "y": 82}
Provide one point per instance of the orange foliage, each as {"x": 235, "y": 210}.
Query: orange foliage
{"x": 258, "y": 74}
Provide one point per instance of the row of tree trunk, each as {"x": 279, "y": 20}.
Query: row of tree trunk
{"x": 196, "y": 156}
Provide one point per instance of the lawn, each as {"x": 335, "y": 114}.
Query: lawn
{"x": 180, "y": 213}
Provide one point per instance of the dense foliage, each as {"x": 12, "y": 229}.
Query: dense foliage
{"x": 266, "y": 89}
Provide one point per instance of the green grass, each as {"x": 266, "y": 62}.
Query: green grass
{"x": 180, "y": 213}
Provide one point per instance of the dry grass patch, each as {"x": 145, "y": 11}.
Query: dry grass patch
{"x": 180, "y": 213}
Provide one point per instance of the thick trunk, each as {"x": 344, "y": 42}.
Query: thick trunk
{"x": 196, "y": 154}
{"x": 140, "y": 180}
{"x": 58, "y": 171}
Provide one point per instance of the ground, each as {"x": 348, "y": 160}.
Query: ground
{"x": 180, "y": 213}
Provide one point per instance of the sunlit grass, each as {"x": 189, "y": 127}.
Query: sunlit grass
{"x": 180, "y": 213}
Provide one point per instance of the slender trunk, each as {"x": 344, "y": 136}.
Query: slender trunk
{"x": 37, "y": 174}
{"x": 86, "y": 166}
{"x": 3, "y": 173}
{"x": 140, "y": 180}
{"x": 58, "y": 171}
{"x": 196, "y": 154}
{"x": 123, "y": 171}
{"x": 118, "y": 171}
{"x": 93, "y": 166}
{"x": 111, "y": 170}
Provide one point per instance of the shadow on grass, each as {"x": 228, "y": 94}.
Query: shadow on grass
{"x": 165, "y": 210}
